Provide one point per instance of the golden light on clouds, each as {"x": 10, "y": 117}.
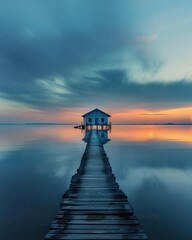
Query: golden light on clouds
{"x": 177, "y": 115}
{"x": 21, "y": 113}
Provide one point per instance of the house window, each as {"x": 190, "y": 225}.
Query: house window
{"x": 102, "y": 120}
{"x": 90, "y": 120}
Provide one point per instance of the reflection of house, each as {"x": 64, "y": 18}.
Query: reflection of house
{"x": 103, "y": 135}
{"x": 97, "y": 118}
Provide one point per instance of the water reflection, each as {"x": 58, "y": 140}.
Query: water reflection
{"x": 152, "y": 164}
{"x": 156, "y": 174}
{"x": 35, "y": 169}
{"x": 103, "y": 135}
{"x": 15, "y": 136}
{"x": 153, "y": 132}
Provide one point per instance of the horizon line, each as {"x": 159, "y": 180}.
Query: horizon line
{"x": 56, "y": 123}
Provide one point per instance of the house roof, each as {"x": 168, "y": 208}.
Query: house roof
{"x": 96, "y": 110}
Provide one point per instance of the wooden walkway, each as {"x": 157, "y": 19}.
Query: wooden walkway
{"x": 94, "y": 207}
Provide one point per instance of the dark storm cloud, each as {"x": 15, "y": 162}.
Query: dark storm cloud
{"x": 54, "y": 38}
{"x": 44, "y": 39}
{"x": 114, "y": 87}
{"x": 49, "y": 49}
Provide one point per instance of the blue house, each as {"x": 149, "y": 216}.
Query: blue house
{"x": 96, "y": 118}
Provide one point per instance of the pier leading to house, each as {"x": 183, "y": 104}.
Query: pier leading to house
{"x": 94, "y": 207}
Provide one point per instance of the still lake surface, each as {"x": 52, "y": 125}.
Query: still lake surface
{"x": 152, "y": 164}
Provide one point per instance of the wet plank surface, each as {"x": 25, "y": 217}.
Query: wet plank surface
{"x": 94, "y": 207}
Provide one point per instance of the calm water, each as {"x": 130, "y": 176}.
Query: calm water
{"x": 153, "y": 166}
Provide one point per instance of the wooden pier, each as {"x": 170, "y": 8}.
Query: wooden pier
{"x": 94, "y": 207}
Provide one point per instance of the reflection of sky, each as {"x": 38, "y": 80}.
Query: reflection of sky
{"x": 143, "y": 133}
{"x": 36, "y": 164}
{"x": 156, "y": 174}
{"x": 13, "y": 137}
{"x": 33, "y": 177}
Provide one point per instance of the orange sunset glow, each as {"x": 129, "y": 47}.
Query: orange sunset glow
{"x": 118, "y": 132}
{"x": 152, "y": 132}
{"x": 17, "y": 113}
{"x": 177, "y": 115}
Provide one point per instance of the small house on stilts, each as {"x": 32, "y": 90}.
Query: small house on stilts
{"x": 96, "y": 119}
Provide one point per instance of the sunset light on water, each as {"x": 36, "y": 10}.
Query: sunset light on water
{"x": 152, "y": 163}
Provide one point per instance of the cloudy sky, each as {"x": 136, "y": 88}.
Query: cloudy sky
{"x": 61, "y": 58}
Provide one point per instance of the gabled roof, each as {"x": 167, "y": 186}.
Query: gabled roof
{"x": 96, "y": 110}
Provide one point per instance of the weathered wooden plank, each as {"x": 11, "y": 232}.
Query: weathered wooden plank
{"x": 102, "y": 223}
{"x": 115, "y": 205}
{"x": 96, "y": 208}
{"x": 116, "y": 194}
{"x": 120, "y": 230}
{"x": 55, "y": 235}
{"x": 93, "y": 211}
{"x": 108, "y": 219}
{"x": 80, "y": 201}
{"x": 89, "y": 224}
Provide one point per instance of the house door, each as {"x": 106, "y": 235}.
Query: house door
{"x": 96, "y": 121}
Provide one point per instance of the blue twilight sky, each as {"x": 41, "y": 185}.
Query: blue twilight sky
{"x": 69, "y": 55}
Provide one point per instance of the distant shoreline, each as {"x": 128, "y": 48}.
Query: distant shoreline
{"x": 115, "y": 124}
{"x": 36, "y": 124}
